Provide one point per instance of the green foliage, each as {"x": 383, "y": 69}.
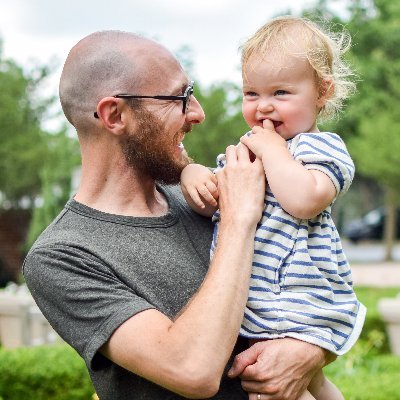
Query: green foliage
{"x": 375, "y": 379}
{"x": 373, "y": 113}
{"x": 368, "y": 371}
{"x": 43, "y": 373}
{"x": 373, "y": 322}
{"x": 36, "y": 165}
{"x": 224, "y": 123}
{"x": 23, "y": 145}
{"x": 55, "y": 180}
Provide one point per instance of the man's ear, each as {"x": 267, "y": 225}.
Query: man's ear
{"x": 109, "y": 111}
{"x": 326, "y": 90}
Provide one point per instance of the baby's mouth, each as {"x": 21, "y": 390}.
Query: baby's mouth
{"x": 277, "y": 123}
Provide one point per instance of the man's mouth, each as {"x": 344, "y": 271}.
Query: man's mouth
{"x": 186, "y": 129}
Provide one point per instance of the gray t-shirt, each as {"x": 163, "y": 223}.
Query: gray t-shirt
{"x": 90, "y": 271}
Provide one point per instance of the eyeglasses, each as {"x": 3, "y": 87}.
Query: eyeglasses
{"x": 185, "y": 98}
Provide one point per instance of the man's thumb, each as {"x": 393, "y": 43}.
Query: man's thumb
{"x": 243, "y": 360}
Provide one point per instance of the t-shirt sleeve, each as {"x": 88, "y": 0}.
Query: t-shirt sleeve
{"x": 326, "y": 152}
{"x": 81, "y": 297}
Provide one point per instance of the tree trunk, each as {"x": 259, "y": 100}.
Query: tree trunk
{"x": 389, "y": 233}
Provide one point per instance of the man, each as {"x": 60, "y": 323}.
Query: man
{"x": 122, "y": 273}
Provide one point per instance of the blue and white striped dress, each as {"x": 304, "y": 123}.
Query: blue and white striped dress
{"x": 301, "y": 283}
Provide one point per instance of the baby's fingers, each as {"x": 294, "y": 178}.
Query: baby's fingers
{"x": 206, "y": 193}
{"x": 194, "y": 195}
{"x": 212, "y": 188}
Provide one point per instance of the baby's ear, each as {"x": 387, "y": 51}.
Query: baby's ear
{"x": 326, "y": 90}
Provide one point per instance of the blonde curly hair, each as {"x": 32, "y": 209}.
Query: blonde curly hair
{"x": 322, "y": 48}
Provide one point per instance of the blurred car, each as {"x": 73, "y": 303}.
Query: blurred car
{"x": 369, "y": 226}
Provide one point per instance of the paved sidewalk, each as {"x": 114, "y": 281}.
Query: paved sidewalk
{"x": 376, "y": 274}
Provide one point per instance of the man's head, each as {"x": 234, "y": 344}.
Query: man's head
{"x": 109, "y": 63}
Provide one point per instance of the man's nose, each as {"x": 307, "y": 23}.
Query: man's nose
{"x": 195, "y": 113}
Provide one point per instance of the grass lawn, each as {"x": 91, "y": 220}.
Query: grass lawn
{"x": 369, "y": 371}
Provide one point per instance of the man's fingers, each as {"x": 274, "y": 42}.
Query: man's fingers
{"x": 242, "y": 360}
{"x": 231, "y": 154}
{"x": 243, "y": 152}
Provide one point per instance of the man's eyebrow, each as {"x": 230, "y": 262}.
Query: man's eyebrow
{"x": 184, "y": 87}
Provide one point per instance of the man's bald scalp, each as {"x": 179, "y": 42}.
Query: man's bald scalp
{"x": 98, "y": 66}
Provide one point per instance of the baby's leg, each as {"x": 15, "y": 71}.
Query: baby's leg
{"x": 323, "y": 389}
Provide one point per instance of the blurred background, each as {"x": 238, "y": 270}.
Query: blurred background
{"x": 39, "y": 155}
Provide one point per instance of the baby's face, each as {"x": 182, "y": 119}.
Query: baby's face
{"x": 283, "y": 89}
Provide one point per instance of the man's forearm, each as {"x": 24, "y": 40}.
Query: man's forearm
{"x": 216, "y": 311}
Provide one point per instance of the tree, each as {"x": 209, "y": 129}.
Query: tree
{"x": 374, "y": 110}
{"x": 32, "y": 160}
{"x": 224, "y": 123}
{"x": 55, "y": 183}
{"x": 371, "y": 122}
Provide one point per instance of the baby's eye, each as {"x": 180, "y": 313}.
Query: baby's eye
{"x": 250, "y": 94}
{"x": 280, "y": 92}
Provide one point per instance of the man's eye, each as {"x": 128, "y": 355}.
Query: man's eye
{"x": 280, "y": 92}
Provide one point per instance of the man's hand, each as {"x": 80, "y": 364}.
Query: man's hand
{"x": 279, "y": 368}
{"x": 241, "y": 185}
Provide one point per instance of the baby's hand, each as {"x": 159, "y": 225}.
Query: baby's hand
{"x": 263, "y": 139}
{"x": 199, "y": 185}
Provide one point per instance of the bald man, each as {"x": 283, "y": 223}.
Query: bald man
{"x": 122, "y": 274}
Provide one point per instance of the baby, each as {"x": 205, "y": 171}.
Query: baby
{"x": 301, "y": 283}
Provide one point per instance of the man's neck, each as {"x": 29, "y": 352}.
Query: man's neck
{"x": 121, "y": 192}
{"x": 109, "y": 185}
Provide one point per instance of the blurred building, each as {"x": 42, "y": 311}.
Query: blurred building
{"x": 13, "y": 229}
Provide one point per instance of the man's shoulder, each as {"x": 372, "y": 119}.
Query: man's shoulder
{"x": 173, "y": 192}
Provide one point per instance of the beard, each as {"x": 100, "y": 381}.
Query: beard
{"x": 151, "y": 152}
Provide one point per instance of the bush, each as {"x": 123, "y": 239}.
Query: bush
{"x": 368, "y": 371}
{"x": 54, "y": 372}
{"x": 370, "y": 296}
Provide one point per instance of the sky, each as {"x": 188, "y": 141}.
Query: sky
{"x": 43, "y": 31}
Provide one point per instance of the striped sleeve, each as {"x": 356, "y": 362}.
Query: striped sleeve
{"x": 221, "y": 161}
{"x": 325, "y": 152}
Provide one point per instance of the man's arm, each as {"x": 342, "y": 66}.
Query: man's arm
{"x": 188, "y": 355}
{"x": 281, "y": 368}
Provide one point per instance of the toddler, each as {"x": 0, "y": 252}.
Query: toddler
{"x": 301, "y": 284}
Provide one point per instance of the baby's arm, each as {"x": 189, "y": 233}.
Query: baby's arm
{"x": 301, "y": 192}
{"x": 199, "y": 186}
